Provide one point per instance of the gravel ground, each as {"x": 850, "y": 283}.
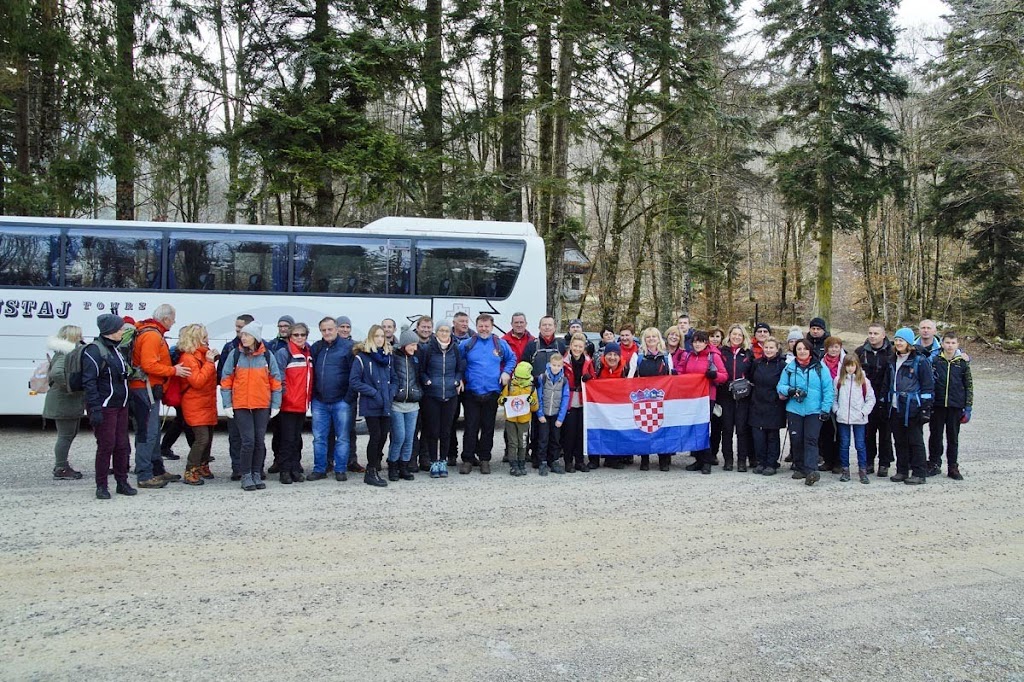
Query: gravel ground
{"x": 612, "y": 575}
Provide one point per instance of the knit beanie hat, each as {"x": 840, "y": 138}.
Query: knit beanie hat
{"x": 907, "y": 334}
{"x": 255, "y": 329}
{"x": 407, "y": 337}
{"x": 763, "y": 325}
{"x": 794, "y": 335}
{"x": 524, "y": 370}
{"x": 818, "y": 322}
{"x": 613, "y": 347}
{"x": 286, "y": 318}
{"x": 572, "y": 322}
{"x": 343, "y": 319}
{"x": 108, "y": 323}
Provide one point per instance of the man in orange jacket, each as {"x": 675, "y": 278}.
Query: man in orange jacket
{"x": 152, "y": 357}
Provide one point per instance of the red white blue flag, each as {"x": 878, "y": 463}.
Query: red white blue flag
{"x": 647, "y": 416}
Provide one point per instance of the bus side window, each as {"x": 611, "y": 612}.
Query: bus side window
{"x": 228, "y": 262}
{"x": 112, "y": 260}
{"x": 484, "y": 270}
{"x": 30, "y": 259}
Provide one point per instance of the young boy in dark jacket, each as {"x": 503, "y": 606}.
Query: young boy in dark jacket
{"x": 954, "y": 396}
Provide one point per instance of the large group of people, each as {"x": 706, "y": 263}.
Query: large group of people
{"x": 411, "y": 385}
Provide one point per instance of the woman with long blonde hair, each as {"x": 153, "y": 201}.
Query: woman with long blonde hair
{"x": 372, "y": 379}
{"x": 64, "y": 406}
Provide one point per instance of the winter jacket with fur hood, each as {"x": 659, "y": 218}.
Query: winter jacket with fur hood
{"x": 60, "y": 404}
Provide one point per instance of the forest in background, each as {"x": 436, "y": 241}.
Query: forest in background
{"x": 829, "y": 176}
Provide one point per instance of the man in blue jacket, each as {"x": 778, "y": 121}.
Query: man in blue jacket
{"x": 489, "y": 366}
{"x": 332, "y": 363}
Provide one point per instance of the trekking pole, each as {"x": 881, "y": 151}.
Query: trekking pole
{"x": 782, "y": 449}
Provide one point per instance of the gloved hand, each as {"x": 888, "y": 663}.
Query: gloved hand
{"x": 586, "y": 377}
{"x": 274, "y": 411}
{"x": 791, "y": 391}
{"x": 965, "y": 415}
{"x": 712, "y": 372}
{"x": 501, "y": 400}
{"x": 95, "y": 416}
{"x": 824, "y": 416}
{"x": 926, "y": 414}
{"x": 229, "y": 413}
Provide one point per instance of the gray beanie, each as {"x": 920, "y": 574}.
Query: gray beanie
{"x": 343, "y": 319}
{"x": 794, "y": 335}
{"x": 254, "y": 328}
{"x": 407, "y": 337}
{"x": 286, "y": 318}
{"x": 108, "y": 323}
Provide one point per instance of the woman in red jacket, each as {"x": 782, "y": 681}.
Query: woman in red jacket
{"x": 578, "y": 368}
{"x": 296, "y": 363}
{"x": 707, "y": 360}
{"x": 198, "y": 399}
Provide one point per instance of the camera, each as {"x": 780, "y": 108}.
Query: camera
{"x": 797, "y": 394}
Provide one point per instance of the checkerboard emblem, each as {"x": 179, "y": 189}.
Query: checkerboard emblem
{"x": 648, "y": 409}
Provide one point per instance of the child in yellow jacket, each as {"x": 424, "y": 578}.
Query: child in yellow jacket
{"x": 519, "y": 399}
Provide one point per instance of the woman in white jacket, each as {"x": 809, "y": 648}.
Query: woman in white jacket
{"x": 854, "y": 400}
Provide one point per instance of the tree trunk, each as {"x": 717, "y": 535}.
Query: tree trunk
{"x": 865, "y": 232}
{"x": 560, "y": 166}
{"x": 123, "y": 161}
{"x": 510, "y": 203}
{"x": 665, "y": 300}
{"x": 324, "y": 203}
{"x": 823, "y": 187}
{"x": 230, "y": 143}
{"x": 545, "y": 124}
{"x": 433, "y": 125}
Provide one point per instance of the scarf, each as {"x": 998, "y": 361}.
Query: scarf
{"x": 833, "y": 365}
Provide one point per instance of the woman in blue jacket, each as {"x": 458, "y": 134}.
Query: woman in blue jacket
{"x": 911, "y": 396}
{"x": 372, "y": 380}
{"x": 441, "y": 369}
{"x": 806, "y": 386}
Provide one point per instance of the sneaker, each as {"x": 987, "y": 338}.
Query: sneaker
{"x": 844, "y": 476}
{"x": 204, "y": 471}
{"x": 443, "y": 470}
{"x": 465, "y": 467}
{"x": 883, "y": 472}
{"x": 485, "y": 467}
{"x": 770, "y": 471}
{"x": 339, "y": 476}
{"x": 248, "y": 484}
{"x": 863, "y": 473}
{"x": 435, "y": 470}
{"x": 316, "y": 476}
{"x": 933, "y": 470}
{"x": 898, "y": 478}
{"x": 169, "y": 455}
{"x": 557, "y": 468}
{"x": 169, "y": 477}
{"x": 954, "y": 473}
{"x": 915, "y": 480}
{"x": 544, "y": 468}
{"x": 192, "y": 476}
{"x": 797, "y": 475}
{"x": 66, "y": 473}
{"x": 812, "y": 478}
{"x": 153, "y": 483}
{"x": 102, "y": 493}
{"x": 257, "y": 479}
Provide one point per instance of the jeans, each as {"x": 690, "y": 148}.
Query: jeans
{"x": 252, "y": 428}
{"x": 403, "y": 429}
{"x": 944, "y": 420}
{"x": 325, "y": 415}
{"x": 67, "y": 429}
{"x": 379, "y": 427}
{"x": 112, "y": 440}
{"x": 859, "y": 442}
{"x": 147, "y": 440}
{"x": 766, "y": 446}
{"x": 438, "y": 418}
{"x": 803, "y": 440}
{"x": 481, "y": 413}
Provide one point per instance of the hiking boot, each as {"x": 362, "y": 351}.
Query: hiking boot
{"x": 274, "y": 469}
{"x": 405, "y": 471}
{"x": 316, "y": 476}
{"x": 371, "y": 477}
{"x": 443, "y": 469}
{"x": 453, "y": 460}
{"x": 152, "y": 483}
{"x": 235, "y": 476}
{"x": 696, "y": 466}
{"x": 485, "y": 467}
{"x": 393, "y": 474}
{"x": 169, "y": 454}
{"x": 770, "y": 471}
{"x": 824, "y": 467}
{"x": 863, "y": 473}
{"x": 933, "y": 470}
{"x": 883, "y": 472}
{"x": 759, "y": 469}
{"x": 797, "y": 475}
{"x": 789, "y": 458}
{"x": 557, "y": 468}
{"x": 706, "y": 469}
{"x": 513, "y": 469}
{"x": 102, "y": 493}
{"x": 298, "y": 477}
{"x": 435, "y": 470}
{"x": 898, "y": 478}
{"x": 248, "y": 485}
{"x": 645, "y": 464}
{"x": 66, "y": 473}
{"x": 954, "y": 473}
{"x": 844, "y": 476}
{"x": 742, "y": 468}
{"x": 870, "y": 469}
{"x": 169, "y": 477}
{"x": 465, "y": 467}
{"x": 355, "y": 467}
{"x": 812, "y": 478}
{"x": 663, "y": 466}
{"x": 192, "y": 476}
{"x": 570, "y": 467}
{"x": 125, "y": 488}
{"x": 727, "y": 466}
{"x": 583, "y": 468}
{"x": 340, "y": 476}
{"x": 204, "y": 471}
{"x": 915, "y": 480}
{"x": 544, "y": 468}
{"x": 425, "y": 464}
{"x": 285, "y": 477}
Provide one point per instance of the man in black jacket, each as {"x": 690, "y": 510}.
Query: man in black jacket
{"x": 876, "y": 358}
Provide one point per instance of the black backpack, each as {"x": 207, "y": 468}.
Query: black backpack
{"x": 73, "y": 366}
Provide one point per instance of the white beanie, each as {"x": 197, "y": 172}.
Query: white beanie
{"x": 254, "y": 328}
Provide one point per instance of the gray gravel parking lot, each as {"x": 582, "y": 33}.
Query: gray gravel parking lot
{"x": 612, "y": 575}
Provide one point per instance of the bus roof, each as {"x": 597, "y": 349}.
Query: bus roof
{"x": 389, "y": 225}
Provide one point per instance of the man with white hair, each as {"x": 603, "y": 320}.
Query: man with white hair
{"x": 927, "y": 339}
{"x": 152, "y": 358}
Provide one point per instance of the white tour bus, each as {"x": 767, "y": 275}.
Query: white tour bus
{"x": 62, "y": 271}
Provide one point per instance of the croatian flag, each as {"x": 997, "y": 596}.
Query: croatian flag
{"x": 647, "y": 416}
